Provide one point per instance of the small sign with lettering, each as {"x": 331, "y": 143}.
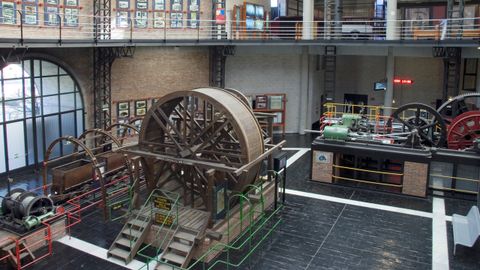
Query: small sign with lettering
{"x": 163, "y": 203}
{"x": 163, "y": 219}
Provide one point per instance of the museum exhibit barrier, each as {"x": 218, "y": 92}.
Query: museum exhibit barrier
{"x": 85, "y": 29}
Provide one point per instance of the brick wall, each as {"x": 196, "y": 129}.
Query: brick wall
{"x": 155, "y": 72}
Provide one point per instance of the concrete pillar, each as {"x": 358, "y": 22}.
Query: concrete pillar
{"x": 387, "y": 102}
{"x": 307, "y": 31}
{"x": 391, "y": 19}
{"x": 304, "y": 90}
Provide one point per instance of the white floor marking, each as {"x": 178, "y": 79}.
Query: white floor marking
{"x": 297, "y": 155}
{"x": 101, "y": 253}
{"x": 439, "y": 236}
{"x": 360, "y": 203}
{"x": 295, "y": 148}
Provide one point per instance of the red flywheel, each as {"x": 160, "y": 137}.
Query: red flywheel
{"x": 463, "y": 130}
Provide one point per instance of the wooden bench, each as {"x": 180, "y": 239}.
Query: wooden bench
{"x": 466, "y": 229}
{"x": 430, "y": 33}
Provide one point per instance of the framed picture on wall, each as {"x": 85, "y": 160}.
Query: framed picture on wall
{"x": 140, "y": 107}
{"x": 123, "y": 109}
{"x": 261, "y": 102}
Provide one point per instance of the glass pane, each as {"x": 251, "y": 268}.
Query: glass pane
{"x": 2, "y": 151}
{"x": 30, "y": 138}
{"x": 38, "y": 86}
{"x": 13, "y": 71}
{"x": 62, "y": 71}
{"x": 49, "y": 86}
{"x": 36, "y": 68}
{"x": 78, "y": 101}
{"x": 27, "y": 88}
{"x": 1, "y": 113}
{"x": 40, "y": 145}
{"x": 50, "y": 105}
{"x": 52, "y": 132}
{"x": 26, "y": 68}
{"x": 13, "y": 89}
{"x": 80, "y": 129}
{"x": 28, "y": 108}
{"x": 66, "y": 84}
{"x": 16, "y": 145}
{"x": 67, "y": 102}
{"x": 49, "y": 69}
{"x": 68, "y": 128}
{"x": 13, "y": 110}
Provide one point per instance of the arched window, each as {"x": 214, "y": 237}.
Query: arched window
{"x": 40, "y": 101}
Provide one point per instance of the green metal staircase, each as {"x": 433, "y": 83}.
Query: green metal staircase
{"x": 131, "y": 236}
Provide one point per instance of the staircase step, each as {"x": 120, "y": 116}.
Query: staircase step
{"x": 180, "y": 247}
{"x": 138, "y": 223}
{"x": 132, "y": 232}
{"x": 9, "y": 247}
{"x": 161, "y": 266}
{"x": 172, "y": 257}
{"x": 185, "y": 236}
{"x": 119, "y": 253}
{"x": 125, "y": 242}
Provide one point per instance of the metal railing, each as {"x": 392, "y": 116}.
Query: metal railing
{"x": 166, "y": 29}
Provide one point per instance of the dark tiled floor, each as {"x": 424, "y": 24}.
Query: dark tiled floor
{"x": 324, "y": 235}
{"x": 298, "y": 175}
{"x": 67, "y": 258}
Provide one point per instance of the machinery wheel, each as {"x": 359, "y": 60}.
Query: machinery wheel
{"x": 463, "y": 130}
{"x": 205, "y": 124}
{"x": 459, "y": 105}
{"x": 423, "y": 120}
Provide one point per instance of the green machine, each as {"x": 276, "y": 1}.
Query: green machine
{"x": 348, "y": 123}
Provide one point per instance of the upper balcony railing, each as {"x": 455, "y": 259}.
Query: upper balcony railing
{"x": 140, "y": 30}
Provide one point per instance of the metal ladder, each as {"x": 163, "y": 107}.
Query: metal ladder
{"x": 329, "y": 66}
{"x": 451, "y": 72}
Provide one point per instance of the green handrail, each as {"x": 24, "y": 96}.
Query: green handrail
{"x": 232, "y": 246}
{"x": 175, "y": 221}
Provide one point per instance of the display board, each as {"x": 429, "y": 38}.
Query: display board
{"x": 51, "y": 10}
{"x": 71, "y": 12}
{"x": 274, "y": 103}
{"x": 8, "y": 10}
{"x": 141, "y": 13}
{"x": 30, "y": 12}
{"x": 123, "y": 13}
{"x": 158, "y": 13}
{"x": 193, "y": 13}
{"x": 176, "y": 13}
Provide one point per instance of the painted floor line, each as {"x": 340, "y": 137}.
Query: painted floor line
{"x": 297, "y": 155}
{"x": 100, "y": 252}
{"x": 295, "y": 148}
{"x": 360, "y": 203}
{"x": 440, "y": 259}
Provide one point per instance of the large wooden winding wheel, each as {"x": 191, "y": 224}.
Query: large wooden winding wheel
{"x": 192, "y": 142}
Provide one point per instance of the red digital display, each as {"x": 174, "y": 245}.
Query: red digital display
{"x": 402, "y": 81}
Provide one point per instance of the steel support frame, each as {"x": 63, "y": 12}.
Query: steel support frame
{"x": 102, "y": 19}
{"x": 218, "y": 58}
